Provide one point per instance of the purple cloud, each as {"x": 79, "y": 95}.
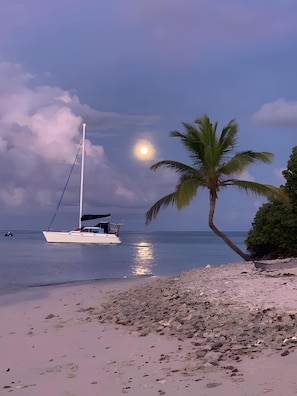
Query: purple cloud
{"x": 279, "y": 113}
{"x": 40, "y": 130}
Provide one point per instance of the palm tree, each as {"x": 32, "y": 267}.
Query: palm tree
{"x": 214, "y": 167}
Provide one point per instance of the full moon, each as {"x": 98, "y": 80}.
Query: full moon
{"x": 144, "y": 150}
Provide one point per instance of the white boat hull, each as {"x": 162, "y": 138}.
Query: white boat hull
{"x": 81, "y": 237}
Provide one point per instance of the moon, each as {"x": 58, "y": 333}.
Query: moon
{"x": 144, "y": 150}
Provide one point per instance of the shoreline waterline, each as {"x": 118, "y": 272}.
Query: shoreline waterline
{"x": 16, "y": 295}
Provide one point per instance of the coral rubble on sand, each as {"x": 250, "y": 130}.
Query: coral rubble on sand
{"x": 224, "y": 312}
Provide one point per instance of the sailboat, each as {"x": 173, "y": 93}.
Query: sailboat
{"x": 104, "y": 233}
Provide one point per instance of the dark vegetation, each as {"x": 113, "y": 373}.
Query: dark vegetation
{"x": 274, "y": 228}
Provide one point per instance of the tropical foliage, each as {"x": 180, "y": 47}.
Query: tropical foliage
{"x": 214, "y": 165}
{"x": 274, "y": 228}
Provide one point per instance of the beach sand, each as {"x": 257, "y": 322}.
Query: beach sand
{"x": 60, "y": 340}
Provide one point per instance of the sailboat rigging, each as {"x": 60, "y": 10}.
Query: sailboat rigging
{"x": 102, "y": 233}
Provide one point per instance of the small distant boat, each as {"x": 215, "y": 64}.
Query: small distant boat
{"x": 103, "y": 233}
{"x": 8, "y": 234}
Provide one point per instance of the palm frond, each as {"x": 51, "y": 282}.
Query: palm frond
{"x": 210, "y": 149}
{"x": 178, "y": 167}
{"x": 256, "y": 156}
{"x": 240, "y": 161}
{"x": 201, "y": 141}
{"x": 191, "y": 141}
{"x": 167, "y": 200}
{"x": 228, "y": 137}
{"x": 267, "y": 190}
{"x": 186, "y": 190}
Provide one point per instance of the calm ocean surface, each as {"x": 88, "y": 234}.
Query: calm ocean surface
{"x": 28, "y": 260}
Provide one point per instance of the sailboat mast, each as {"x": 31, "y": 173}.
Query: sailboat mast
{"x": 82, "y": 175}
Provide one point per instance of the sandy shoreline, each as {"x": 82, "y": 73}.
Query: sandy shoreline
{"x": 59, "y": 340}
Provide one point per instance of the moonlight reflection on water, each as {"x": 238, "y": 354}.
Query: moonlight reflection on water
{"x": 144, "y": 259}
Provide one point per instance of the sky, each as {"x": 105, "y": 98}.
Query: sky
{"x": 133, "y": 71}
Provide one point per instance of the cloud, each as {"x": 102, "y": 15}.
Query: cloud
{"x": 245, "y": 175}
{"x": 40, "y": 133}
{"x": 278, "y": 172}
{"x": 104, "y": 120}
{"x": 278, "y": 113}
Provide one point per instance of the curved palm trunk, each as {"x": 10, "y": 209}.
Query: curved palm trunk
{"x": 236, "y": 249}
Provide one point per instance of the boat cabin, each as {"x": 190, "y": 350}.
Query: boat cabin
{"x": 103, "y": 228}
{"x": 96, "y": 230}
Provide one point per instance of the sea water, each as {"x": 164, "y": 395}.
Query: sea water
{"x": 28, "y": 260}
